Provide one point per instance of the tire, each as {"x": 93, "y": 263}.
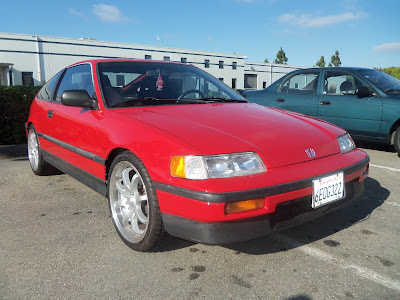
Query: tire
{"x": 133, "y": 203}
{"x": 396, "y": 141}
{"x": 38, "y": 165}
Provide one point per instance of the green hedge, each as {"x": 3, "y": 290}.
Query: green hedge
{"x": 15, "y": 102}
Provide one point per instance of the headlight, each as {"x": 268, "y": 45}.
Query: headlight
{"x": 346, "y": 143}
{"x": 216, "y": 166}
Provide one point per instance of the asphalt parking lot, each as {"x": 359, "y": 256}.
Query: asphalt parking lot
{"x": 58, "y": 241}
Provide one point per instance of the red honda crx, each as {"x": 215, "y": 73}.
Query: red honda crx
{"x": 175, "y": 150}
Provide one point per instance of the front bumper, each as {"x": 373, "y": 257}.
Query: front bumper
{"x": 294, "y": 213}
{"x": 200, "y": 217}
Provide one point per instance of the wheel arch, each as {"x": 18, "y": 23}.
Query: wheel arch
{"x": 111, "y": 156}
{"x": 393, "y": 131}
{"x": 27, "y": 125}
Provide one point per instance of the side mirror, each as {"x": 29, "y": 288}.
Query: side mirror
{"x": 363, "y": 91}
{"x": 241, "y": 92}
{"x": 79, "y": 98}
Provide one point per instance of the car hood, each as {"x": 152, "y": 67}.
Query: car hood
{"x": 279, "y": 137}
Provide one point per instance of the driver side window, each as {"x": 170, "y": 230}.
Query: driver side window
{"x": 341, "y": 83}
{"x": 76, "y": 78}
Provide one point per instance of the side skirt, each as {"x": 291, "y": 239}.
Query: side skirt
{"x": 86, "y": 178}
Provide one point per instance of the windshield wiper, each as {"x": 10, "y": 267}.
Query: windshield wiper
{"x": 138, "y": 101}
{"x": 222, "y": 99}
{"x": 141, "y": 101}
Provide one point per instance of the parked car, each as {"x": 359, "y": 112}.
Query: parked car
{"x": 364, "y": 102}
{"x": 175, "y": 150}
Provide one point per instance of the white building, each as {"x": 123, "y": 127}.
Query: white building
{"x": 33, "y": 60}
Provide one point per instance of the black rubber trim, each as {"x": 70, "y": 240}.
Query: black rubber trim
{"x": 254, "y": 193}
{"x": 84, "y": 177}
{"x": 74, "y": 149}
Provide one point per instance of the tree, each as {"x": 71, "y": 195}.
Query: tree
{"x": 394, "y": 71}
{"x": 335, "y": 60}
{"x": 321, "y": 62}
{"x": 266, "y": 61}
{"x": 281, "y": 57}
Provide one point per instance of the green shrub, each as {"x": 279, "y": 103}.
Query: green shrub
{"x": 15, "y": 102}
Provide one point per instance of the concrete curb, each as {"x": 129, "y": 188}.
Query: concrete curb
{"x": 12, "y": 151}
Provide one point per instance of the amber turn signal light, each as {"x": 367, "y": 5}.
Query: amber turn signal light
{"x": 177, "y": 166}
{"x": 241, "y": 206}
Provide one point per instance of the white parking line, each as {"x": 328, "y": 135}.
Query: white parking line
{"x": 360, "y": 271}
{"x": 383, "y": 167}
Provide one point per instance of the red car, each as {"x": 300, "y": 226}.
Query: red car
{"x": 177, "y": 151}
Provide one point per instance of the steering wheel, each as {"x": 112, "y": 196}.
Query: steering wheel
{"x": 190, "y": 92}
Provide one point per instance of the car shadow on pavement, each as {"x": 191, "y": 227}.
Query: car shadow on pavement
{"x": 320, "y": 229}
{"x": 13, "y": 151}
{"x": 20, "y": 159}
{"x": 374, "y": 146}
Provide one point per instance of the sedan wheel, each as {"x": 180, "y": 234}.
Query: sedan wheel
{"x": 396, "y": 142}
{"x": 133, "y": 203}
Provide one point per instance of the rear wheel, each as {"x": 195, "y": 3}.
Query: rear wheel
{"x": 396, "y": 142}
{"x": 38, "y": 165}
{"x": 133, "y": 203}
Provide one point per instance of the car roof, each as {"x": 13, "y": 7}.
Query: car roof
{"x": 335, "y": 68}
{"x": 96, "y": 61}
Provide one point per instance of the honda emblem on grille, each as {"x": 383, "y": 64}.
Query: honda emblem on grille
{"x": 310, "y": 153}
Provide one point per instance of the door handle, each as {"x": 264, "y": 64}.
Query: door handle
{"x": 280, "y": 100}
{"x": 50, "y": 113}
{"x": 325, "y": 102}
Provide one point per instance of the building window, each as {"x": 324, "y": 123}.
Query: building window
{"x": 221, "y": 79}
{"x": 206, "y": 63}
{"x": 183, "y": 60}
{"x": 234, "y": 83}
{"x": 27, "y": 78}
{"x": 234, "y": 65}
{"x": 120, "y": 80}
{"x": 167, "y": 58}
{"x": 147, "y": 57}
{"x": 250, "y": 81}
{"x": 264, "y": 84}
{"x": 221, "y": 64}
{"x": 10, "y": 76}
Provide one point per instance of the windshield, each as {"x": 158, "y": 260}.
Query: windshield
{"x": 156, "y": 83}
{"x": 384, "y": 81}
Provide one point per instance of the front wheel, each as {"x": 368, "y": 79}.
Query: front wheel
{"x": 396, "y": 142}
{"x": 133, "y": 203}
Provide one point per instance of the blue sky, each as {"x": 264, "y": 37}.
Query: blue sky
{"x": 366, "y": 33}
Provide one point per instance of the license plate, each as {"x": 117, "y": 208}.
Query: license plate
{"x": 327, "y": 189}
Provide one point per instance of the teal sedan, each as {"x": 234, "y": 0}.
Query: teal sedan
{"x": 365, "y": 102}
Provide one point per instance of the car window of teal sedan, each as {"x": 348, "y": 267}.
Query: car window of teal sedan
{"x": 341, "y": 83}
{"x": 303, "y": 83}
{"x": 385, "y": 82}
